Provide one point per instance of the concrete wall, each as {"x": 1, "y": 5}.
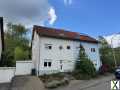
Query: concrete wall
{"x": 23, "y": 67}
{"x": 6, "y": 74}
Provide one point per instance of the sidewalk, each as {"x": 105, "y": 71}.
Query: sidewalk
{"x": 83, "y": 84}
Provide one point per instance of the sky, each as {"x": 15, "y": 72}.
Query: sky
{"x": 92, "y": 17}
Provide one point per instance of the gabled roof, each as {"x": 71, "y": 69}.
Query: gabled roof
{"x": 2, "y": 32}
{"x": 63, "y": 34}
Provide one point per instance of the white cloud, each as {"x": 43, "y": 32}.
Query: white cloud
{"x": 68, "y": 2}
{"x": 114, "y": 38}
{"x": 27, "y": 12}
{"x": 52, "y": 15}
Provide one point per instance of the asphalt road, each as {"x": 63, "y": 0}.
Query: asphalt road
{"x": 101, "y": 86}
{"x": 101, "y": 83}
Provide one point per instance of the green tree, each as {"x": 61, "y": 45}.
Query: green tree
{"x": 16, "y": 44}
{"x": 84, "y": 65}
{"x": 106, "y": 54}
{"x": 20, "y": 54}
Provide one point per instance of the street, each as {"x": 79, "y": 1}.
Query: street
{"x": 101, "y": 83}
{"x": 101, "y": 86}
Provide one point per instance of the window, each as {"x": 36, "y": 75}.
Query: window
{"x": 47, "y": 63}
{"x": 48, "y": 46}
{"x": 68, "y": 47}
{"x": 92, "y": 49}
{"x": 60, "y": 47}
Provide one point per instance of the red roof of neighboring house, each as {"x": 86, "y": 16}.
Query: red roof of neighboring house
{"x": 60, "y": 33}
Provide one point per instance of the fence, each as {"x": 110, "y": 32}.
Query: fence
{"x": 22, "y": 68}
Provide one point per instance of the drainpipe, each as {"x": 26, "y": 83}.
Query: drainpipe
{"x": 39, "y": 57}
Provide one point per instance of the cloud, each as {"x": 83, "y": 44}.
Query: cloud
{"x": 113, "y": 40}
{"x": 68, "y": 2}
{"x": 52, "y": 15}
{"x": 27, "y": 12}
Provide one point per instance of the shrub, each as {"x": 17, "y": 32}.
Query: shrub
{"x": 86, "y": 67}
{"x": 103, "y": 69}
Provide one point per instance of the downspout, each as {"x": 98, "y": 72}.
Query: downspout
{"x": 39, "y": 57}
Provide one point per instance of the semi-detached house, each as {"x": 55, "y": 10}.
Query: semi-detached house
{"x": 56, "y": 50}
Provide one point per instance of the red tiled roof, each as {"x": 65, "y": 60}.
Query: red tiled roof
{"x": 59, "y": 33}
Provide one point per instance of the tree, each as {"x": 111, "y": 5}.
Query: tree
{"x": 16, "y": 44}
{"x": 84, "y": 65}
{"x": 20, "y": 54}
{"x": 106, "y": 54}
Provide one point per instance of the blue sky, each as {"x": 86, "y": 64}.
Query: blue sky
{"x": 92, "y": 17}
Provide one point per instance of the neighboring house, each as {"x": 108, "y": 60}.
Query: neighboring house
{"x": 1, "y": 37}
{"x": 56, "y": 50}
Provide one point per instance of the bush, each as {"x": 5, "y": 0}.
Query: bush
{"x": 55, "y": 76}
{"x": 80, "y": 76}
{"x": 109, "y": 64}
{"x": 86, "y": 67}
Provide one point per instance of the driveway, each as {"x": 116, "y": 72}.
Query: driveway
{"x": 4, "y": 86}
{"x": 26, "y": 83}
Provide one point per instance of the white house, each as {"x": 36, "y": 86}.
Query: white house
{"x": 56, "y": 50}
{"x": 1, "y": 37}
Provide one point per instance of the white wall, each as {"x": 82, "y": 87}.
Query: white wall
{"x": 23, "y": 67}
{"x": 6, "y": 74}
{"x": 93, "y": 56}
{"x": 35, "y": 51}
{"x": 55, "y": 54}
